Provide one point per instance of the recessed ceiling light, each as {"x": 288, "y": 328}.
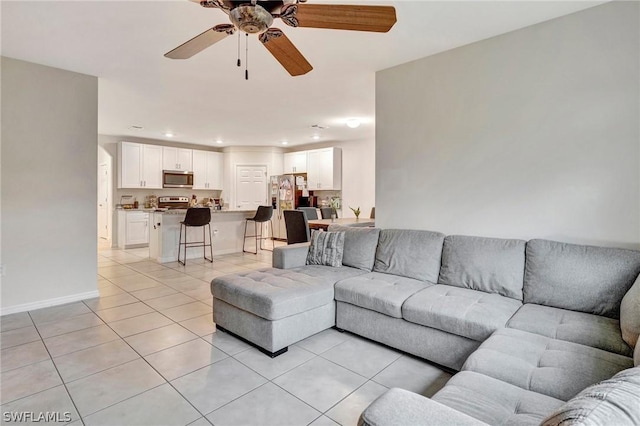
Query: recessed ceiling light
{"x": 316, "y": 137}
{"x": 353, "y": 123}
{"x": 219, "y": 141}
{"x": 169, "y": 134}
{"x": 284, "y": 142}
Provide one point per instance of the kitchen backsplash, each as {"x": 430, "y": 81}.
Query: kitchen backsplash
{"x": 140, "y": 194}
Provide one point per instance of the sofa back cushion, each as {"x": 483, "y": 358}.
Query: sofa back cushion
{"x": 630, "y": 315}
{"x": 491, "y": 265}
{"x": 409, "y": 253}
{"x": 610, "y": 402}
{"x": 580, "y": 278}
{"x": 360, "y": 245}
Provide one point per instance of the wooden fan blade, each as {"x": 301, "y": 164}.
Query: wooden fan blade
{"x": 340, "y": 17}
{"x": 285, "y": 52}
{"x": 201, "y": 42}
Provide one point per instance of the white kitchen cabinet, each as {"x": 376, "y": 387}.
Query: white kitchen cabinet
{"x": 295, "y": 162}
{"x": 177, "y": 159}
{"x": 133, "y": 229}
{"x": 207, "y": 170}
{"x": 139, "y": 165}
{"x": 324, "y": 169}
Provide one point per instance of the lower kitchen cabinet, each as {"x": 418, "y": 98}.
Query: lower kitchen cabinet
{"x": 133, "y": 229}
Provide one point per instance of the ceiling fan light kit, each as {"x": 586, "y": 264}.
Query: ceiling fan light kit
{"x": 251, "y": 19}
{"x": 256, "y": 17}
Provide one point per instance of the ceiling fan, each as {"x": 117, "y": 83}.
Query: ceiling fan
{"x": 256, "y": 17}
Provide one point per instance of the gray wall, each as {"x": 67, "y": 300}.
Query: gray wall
{"x": 533, "y": 133}
{"x": 49, "y": 151}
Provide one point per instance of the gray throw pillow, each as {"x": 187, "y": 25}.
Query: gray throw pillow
{"x": 326, "y": 248}
{"x": 610, "y": 402}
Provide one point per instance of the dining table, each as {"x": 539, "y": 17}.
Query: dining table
{"x": 343, "y": 221}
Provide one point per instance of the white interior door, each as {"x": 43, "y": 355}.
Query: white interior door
{"x": 251, "y": 187}
{"x": 103, "y": 201}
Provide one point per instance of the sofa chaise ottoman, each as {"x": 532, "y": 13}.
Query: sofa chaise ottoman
{"x": 273, "y": 308}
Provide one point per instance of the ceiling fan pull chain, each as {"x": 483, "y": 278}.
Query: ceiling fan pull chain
{"x": 239, "y": 63}
{"x": 246, "y": 58}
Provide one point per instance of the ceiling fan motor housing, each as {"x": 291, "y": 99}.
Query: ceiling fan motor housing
{"x": 252, "y": 19}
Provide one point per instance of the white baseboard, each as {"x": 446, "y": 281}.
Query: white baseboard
{"x": 49, "y": 302}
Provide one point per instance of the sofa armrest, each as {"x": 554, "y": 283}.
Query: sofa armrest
{"x": 291, "y": 256}
{"x": 399, "y": 407}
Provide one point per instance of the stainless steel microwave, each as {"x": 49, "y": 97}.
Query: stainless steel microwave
{"x": 177, "y": 179}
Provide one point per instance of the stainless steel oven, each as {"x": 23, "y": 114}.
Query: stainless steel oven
{"x": 177, "y": 179}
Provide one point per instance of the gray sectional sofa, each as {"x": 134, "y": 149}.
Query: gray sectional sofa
{"x": 528, "y": 324}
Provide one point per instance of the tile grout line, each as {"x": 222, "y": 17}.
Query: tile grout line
{"x": 156, "y": 371}
{"x": 58, "y": 371}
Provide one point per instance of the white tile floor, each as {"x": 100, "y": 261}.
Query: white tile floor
{"x": 146, "y": 352}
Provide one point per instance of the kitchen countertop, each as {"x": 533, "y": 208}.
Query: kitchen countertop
{"x": 213, "y": 211}
{"x": 183, "y": 211}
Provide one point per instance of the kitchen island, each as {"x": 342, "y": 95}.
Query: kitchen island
{"x": 227, "y": 231}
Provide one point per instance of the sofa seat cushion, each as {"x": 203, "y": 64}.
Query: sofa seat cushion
{"x": 468, "y": 313}
{"x": 409, "y": 253}
{"x": 541, "y": 364}
{"x": 382, "y": 293}
{"x": 587, "y": 329}
{"x": 493, "y": 265}
{"x": 495, "y": 402}
{"x": 611, "y": 402}
{"x": 328, "y": 274}
{"x": 274, "y": 294}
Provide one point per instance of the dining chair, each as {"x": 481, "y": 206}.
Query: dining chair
{"x": 327, "y": 211}
{"x": 297, "y": 226}
{"x": 312, "y": 212}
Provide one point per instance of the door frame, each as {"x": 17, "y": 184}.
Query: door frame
{"x": 235, "y": 180}
{"x": 109, "y": 219}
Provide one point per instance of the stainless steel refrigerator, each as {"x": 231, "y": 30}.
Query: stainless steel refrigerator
{"x": 286, "y": 192}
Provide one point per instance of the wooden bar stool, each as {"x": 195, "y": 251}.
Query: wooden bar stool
{"x": 196, "y": 217}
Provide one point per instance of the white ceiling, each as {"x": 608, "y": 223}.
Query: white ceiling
{"x": 206, "y": 97}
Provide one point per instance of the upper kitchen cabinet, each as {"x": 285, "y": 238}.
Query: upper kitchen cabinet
{"x": 177, "y": 159}
{"x": 139, "y": 165}
{"x": 324, "y": 169}
{"x": 295, "y": 162}
{"x": 207, "y": 169}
